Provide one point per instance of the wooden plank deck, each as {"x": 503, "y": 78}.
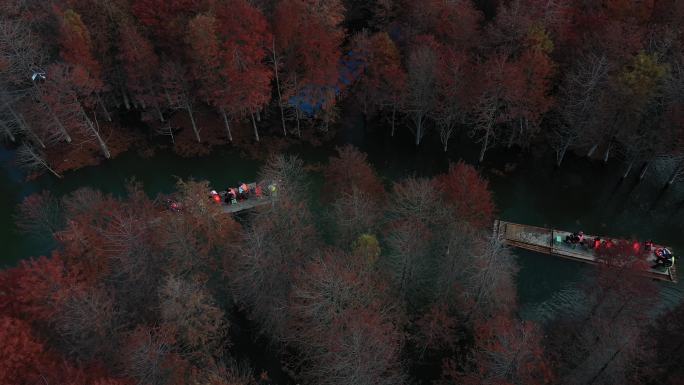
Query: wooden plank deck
{"x": 543, "y": 240}
{"x": 248, "y": 203}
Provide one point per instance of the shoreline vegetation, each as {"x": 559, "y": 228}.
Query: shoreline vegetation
{"x": 408, "y": 285}
{"x": 82, "y": 83}
{"x": 385, "y": 282}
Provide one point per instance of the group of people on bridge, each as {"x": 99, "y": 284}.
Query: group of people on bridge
{"x": 233, "y": 195}
{"x": 229, "y": 196}
{"x": 663, "y": 256}
{"x": 244, "y": 191}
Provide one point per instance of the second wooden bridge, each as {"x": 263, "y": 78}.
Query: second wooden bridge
{"x": 550, "y": 241}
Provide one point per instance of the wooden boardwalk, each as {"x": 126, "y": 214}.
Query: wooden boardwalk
{"x": 251, "y": 202}
{"x": 247, "y": 204}
{"x": 545, "y": 241}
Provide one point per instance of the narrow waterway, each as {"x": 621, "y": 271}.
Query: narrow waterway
{"x": 583, "y": 194}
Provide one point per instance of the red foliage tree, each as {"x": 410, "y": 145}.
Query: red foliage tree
{"x": 436, "y": 329}
{"x": 422, "y": 65}
{"x": 344, "y": 323}
{"x": 383, "y": 80}
{"x": 148, "y": 356}
{"x": 468, "y": 193}
{"x": 206, "y": 65}
{"x": 349, "y": 169}
{"x": 26, "y": 360}
{"x": 140, "y": 66}
{"x": 507, "y": 351}
{"x": 299, "y": 26}
{"x": 356, "y": 192}
{"x": 68, "y": 91}
{"x": 325, "y": 288}
{"x": 22, "y": 357}
{"x": 245, "y": 36}
{"x": 500, "y": 89}
{"x": 196, "y": 241}
{"x": 454, "y": 98}
{"x": 280, "y": 239}
{"x": 39, "y": 214}
{"x": 452, "y": 23}
{"x": 363, "y": 347}
{"x": 178, "y": 89}
{"x": 309, "y": 75}
{"x": 533, "y": 100}
{"x": 167, "y": 20}
{"x": 36, "y": 288}
{"x": 76, "y": 44}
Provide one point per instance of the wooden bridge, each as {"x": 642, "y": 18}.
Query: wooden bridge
{"x": 550, "y": 241}
{"x": 246, "y": 204}
{"x": 251, "y": 202}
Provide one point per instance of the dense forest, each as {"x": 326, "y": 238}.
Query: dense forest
{"x": 381, "y": 284}
{"x": 84, "y": 80}
{"x": 367, "y": 281}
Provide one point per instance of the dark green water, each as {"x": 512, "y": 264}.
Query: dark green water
{"x": 581, "y": 195}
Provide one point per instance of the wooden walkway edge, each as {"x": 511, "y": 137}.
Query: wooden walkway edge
{"x": 251, "y": 202}
{"x": 247, "y": 204}
{"x": 545, "y": 241}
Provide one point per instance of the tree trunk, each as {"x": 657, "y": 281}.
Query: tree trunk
{"x": 444, "y": 135}
{"x": 103, "y": 145}
{"x": 225, "y": 121}
{"x": 47, "y": 166}
{"x": 8, "y": 132}
{"x": 677, "y": 171}
{"x": 55, "y": 173}
{"x": 592, "y": 150}
{"x": 258, "y": 116}
{"x": 394, "y": 114}
{"x": 143, "y": 104}
{"x": 192, "y": 120}
{"x": 629, "y": 168}
{"x": 59, "y": 124}
{"x": 607, "y": 153}
{"x": 173, "y": 139}
{"x": 104, "y": 108}
{"x": 643, "y": 171}
{"x": 168, "y": 97}
{"x": 510, "y": 138}
{"x": 24, "y": 126}
{"x": 485, "y": 143}
{"x": 280, "y": 96}
{"x": 481, "y": 286}
{"x": 561, "y": 154}
{"x": 97, "y": 123}
{"x": 256, "y": 131}
{"x": 419, "y": 130}
{"x": 127, "y": 103}
{"x": 299, "y": 131}
{"x": 161, "y": 116}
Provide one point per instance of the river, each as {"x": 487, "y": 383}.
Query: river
{"x": 582, "y": 194}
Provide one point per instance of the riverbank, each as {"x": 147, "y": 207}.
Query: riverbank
{"x": 528, "y": 188}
